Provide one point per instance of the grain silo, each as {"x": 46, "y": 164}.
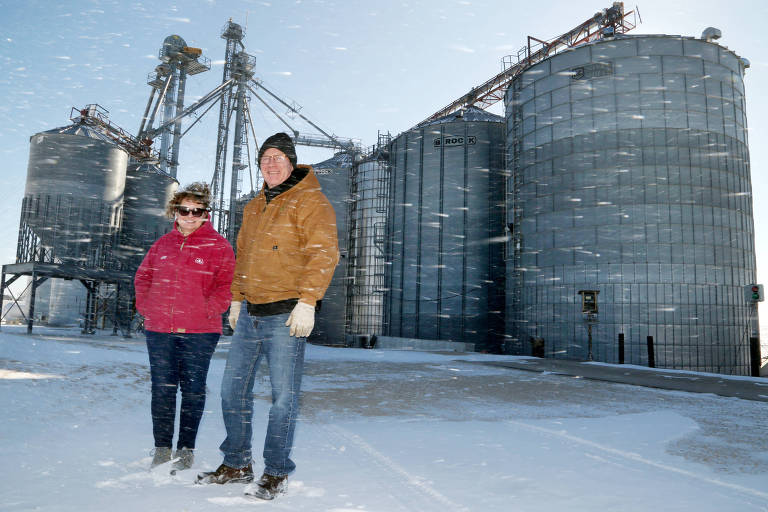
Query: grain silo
{"x": 630, "y": 177}
{"x": 74, "y": 194}
{"x": 446, "y": 227}
{"x": 147, "y": 192}
{"x": 67, "y": 302}
{"x": 333, "y": 175}
{"x": 369, "y": 205}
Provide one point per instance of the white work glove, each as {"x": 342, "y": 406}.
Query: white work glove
{"x": 234, "y": 312}
{"x": 302, "y": 320}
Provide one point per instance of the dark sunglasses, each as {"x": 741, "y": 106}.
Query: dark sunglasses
{"x": 196, "y": 212}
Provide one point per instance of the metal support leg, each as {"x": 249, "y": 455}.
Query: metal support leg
{"x": 35, "y": 284}
{"x": 117, "y": 310}
{"x": 31, "y": 318}
{"x": 6, "y": 285}
{"x": 2, "y": 296}
{"x": 90, "y": 303}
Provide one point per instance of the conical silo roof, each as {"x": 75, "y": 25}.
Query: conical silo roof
{"x": 336, "y": 161}
{"x": 81, "y": 130}
{"x": 469, "y": 114}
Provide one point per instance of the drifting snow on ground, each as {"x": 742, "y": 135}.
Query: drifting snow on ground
{"x": 380, "y": 431}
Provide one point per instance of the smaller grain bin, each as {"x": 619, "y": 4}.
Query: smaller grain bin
{"x": 67, "y": 303}
{"x": 367, "y": 248}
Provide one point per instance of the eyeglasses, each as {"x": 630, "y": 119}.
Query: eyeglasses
{"x": 196, "y": 212}
{"x": 278, "y": 159}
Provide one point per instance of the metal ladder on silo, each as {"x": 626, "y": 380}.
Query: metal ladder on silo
{"x": 515, "y": 235}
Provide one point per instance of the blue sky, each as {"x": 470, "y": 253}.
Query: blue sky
{"x": 355, "y": 67}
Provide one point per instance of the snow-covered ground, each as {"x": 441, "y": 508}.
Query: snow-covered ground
{"x": 381, "y": 431}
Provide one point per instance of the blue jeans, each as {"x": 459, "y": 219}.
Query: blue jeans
{"x": 178, "y": 360}
{"x": 254, "y": 338}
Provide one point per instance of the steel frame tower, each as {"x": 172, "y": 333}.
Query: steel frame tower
{"x": 170, "y": 78}
{"x": 238, "y": 84}
{"x": 233, "y": 34}
{"x": 243, "y": 71}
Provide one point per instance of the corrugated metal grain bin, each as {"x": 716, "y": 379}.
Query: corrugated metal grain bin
{"x": 446, "y": 231}
{"x": 74, "y": 193}
{"x": 630, "y": 176}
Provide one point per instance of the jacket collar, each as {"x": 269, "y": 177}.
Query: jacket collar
{"x": 205, "y": 230}
{"x": 298, "y": 174}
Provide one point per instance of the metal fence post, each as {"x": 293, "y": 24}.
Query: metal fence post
{"x": 651, "y": 356}
{"x": 756, "y": 359}
{"x": 621, "y": 348}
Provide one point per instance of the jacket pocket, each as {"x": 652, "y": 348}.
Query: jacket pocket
{"x": 267, "y": 271}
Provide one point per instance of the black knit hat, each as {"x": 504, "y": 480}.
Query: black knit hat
{"x": 282, "y": 142}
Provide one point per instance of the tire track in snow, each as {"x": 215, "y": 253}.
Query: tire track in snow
{"x": 634, "y": 457}
{"x": 414, "y": 485}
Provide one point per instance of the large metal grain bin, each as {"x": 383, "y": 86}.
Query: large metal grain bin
{"x": 446, "y": 231}
{"x": 74, "y": 194}
{"x": 630, "y": 178}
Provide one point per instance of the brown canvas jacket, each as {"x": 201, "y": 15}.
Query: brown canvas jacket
{"x": 286, "y": 248}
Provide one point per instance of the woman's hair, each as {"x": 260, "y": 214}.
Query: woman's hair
{"x": 198, "y": 192}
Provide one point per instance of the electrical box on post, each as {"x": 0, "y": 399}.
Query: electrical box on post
{"x": 589, "y": 301}
{"x": 753, "y": 293}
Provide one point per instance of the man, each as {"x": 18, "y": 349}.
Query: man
{"x": 287, "y": 250}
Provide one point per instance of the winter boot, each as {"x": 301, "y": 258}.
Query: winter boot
{"x": 185, "y": 457}
{"x": 161, "y": 456}
{"x": 226, "y": 475}
{"x": 268, "y": 487}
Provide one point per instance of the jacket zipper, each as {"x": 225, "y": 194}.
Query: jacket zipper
{"x": 176, "y": 281}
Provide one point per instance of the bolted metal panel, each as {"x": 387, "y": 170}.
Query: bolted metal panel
{"x": 630, "y": 175}
{"x": 333, "y": 175}
{"x": 74, "y": 195}
{"x": 446, "y": 231}
{"x": 147, "y": 193}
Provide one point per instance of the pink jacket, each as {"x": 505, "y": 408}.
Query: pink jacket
{"x": 183, "y": 283}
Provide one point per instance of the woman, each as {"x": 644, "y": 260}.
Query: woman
{"x": 182, "y": 289}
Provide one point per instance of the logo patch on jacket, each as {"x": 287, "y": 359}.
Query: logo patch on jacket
{"x": 199, "y": 261}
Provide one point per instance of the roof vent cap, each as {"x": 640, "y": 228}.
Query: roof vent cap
{"x": 711, "y": 33}
{"x": 745, "y": 62}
